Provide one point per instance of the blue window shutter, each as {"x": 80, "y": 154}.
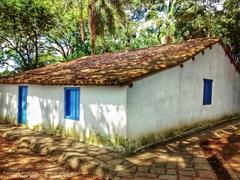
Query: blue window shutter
{"x": 207, "y": 92}
{"x": 72, "y": 103}
{"x": 67, "y": 103}
{"x": 78, "y": 104}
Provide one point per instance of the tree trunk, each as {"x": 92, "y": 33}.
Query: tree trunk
{"x": 81, "y": 23}
{"x": 166, "y": 39}
{"x": 92, "y": 25}
{"x": 82, "y": 29}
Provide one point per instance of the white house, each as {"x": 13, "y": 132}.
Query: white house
{"x": 126, "y": 95}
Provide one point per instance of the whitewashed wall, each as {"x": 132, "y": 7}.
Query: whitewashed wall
{"x": 8, "y": 101}
{"x": 102, "y": 109}
{"x": 174, "y": 97}
{"x": 168, "y": 99}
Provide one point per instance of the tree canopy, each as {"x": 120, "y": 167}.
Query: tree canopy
{"x": 35, "y": 33}
{"x": 23, "y": 29}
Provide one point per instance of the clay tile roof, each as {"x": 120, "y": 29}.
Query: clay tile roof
{"x": 113, "y": 68}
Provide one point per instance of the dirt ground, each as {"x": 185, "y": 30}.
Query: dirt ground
{"x": 22, "y": 163}
{"x": 228, "y": 146}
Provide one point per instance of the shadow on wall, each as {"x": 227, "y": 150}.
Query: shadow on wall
{"x": 97, "y": 124}
{"x": 8, "y": 108}
{"x": 46, "y": 114}
{"x": 100, "y": 124}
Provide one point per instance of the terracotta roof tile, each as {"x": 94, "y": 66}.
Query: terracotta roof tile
{"x": 113, "y": 68}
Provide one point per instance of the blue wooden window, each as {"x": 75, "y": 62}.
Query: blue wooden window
{"x": 207, "y": 91}
{"x": 72, "y": 103}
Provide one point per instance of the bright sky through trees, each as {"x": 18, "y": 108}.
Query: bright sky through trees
{"x": 35, "y": 33}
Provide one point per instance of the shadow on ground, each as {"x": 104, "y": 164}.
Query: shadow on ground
{"x": 180, "y": 159}
{"x": 21, "y": 163}
{"x": 227, "y": 143}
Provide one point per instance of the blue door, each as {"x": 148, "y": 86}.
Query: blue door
{"x": 22, "y": 104}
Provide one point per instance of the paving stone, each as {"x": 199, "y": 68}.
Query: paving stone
{"x": 189, "y": 165}
{"x": 187, "y": 173}
{"x": 93, "y": 153}
{"x": 87, "y": 168}
{"x": 74, "y": 163}
{"x": 159, "y": 164}
{"x": 201, "y": 155}
{"x": 116, "y": 161}
{"x": 132, "y": 169}
{"x": 125, "y": 174}
{"x": 158, "y": 170}
{"x": 171, "y": 165}
{"x": 144, "y": 178}
{"x": 96, "y": 161}
{"x": 187, "y": 169}
{"x": 135, "y": 161}
{"x": 121, "y": 178}
{"x": 144, "y": 169}
{"x": 171, "y": 171}
{"x": 180, "y": 159}
{"x": 127, "y": 163}
{"x": 123, "y": 168}
{"x": 187, "y": 156}
{"x": 198, "y": 178}
{"x": 146, "y": 155}
{"x": 185, "y": 178}
{"x": 182, "y": 164}
{"x": 115, "y": 155}
{"x": 163, "y": 158}
{"x": 175, "y": 160}
{"x": 147, "y": 175}
{"x": 118, "y": 178}
{"x": 104, "y": 158}
{"x": 206, "y": 174}
{"x": 198, "y": 160}
{"x": 107, "y": 167}
{"x": 202, "y": 166}
{"x": 159, "y": 149}
{"x": 168, "y": 177}
{"x": 146, "y": 163}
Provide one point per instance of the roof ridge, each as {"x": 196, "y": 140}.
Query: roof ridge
{"x": 117, "y": 52}
{"x": 113, "y": 68}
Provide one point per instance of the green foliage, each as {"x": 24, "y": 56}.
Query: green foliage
{"x": 196, "y": 19}
{"x": 68, "y": 39}
{"x": 6, "y": 73}
{"x": 35, "y": 33}
{"x": 23, "y": 24}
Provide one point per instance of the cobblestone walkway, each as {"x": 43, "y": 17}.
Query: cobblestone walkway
{"x": 179, "y": 159}
{"x": 19, "y": 163}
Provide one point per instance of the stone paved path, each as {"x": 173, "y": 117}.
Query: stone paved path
{"x": 24, "y": 164}
{"x": 225, "y": 145}
{"x": 179, "y": 159}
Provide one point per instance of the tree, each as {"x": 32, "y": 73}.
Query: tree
{"x": 37, "y": 32}
{"x": 79, "y": 9}
{"x": 99, "y": 16}
{"x": 228, "y": 24}
{"x": 202, "y": 19}
{"x": 102, "y": 16}
{"x": 68, "y": 37}
{"x": 23, "y": 25}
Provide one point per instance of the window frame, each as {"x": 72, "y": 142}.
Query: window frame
{"x": 207, "y": 94}
{"x": 76, "y": 115}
